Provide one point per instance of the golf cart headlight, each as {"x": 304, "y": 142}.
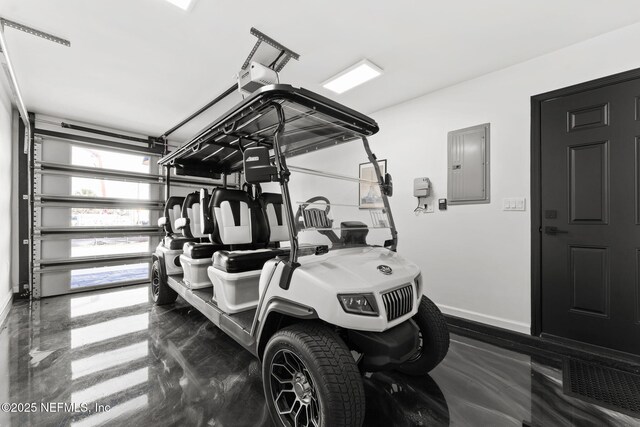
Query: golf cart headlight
{"x": 359, "y": 304}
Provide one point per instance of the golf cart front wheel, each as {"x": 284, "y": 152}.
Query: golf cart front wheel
{"x": 161, "y": 292}
{"x": 311, "y": 379}
{"x": 433, "y": 337}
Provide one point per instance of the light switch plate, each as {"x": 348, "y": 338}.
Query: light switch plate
{"x": 514, "y": 204}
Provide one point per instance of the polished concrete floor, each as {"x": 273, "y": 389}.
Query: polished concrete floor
{"x": 115, "y": 359}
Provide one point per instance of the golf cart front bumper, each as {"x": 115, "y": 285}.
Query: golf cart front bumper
{"x": 382, "y": 350}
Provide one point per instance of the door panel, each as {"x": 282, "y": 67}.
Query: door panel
{"x": 590, "y": 181}
{"x": 590, "y": 117}
{"x": 589, "y": 272}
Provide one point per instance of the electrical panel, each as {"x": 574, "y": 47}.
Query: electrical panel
{"x": 468, "y": 165}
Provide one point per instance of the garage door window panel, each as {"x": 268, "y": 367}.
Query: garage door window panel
{"x": 93, "y": 214}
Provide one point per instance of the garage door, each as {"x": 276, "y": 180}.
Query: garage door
{"x": 96, "y": 202}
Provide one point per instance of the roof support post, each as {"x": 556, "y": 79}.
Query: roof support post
{"x": 167, "y": 183}
{"x": 283, "y": 176}
{"x": 385, "y": 200}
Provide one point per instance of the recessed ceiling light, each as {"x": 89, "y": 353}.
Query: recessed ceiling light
{"x": 182, "y": 4}
{"x": 353, "y": 76}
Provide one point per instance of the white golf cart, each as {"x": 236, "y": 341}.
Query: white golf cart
{"x": 317, "y": 308}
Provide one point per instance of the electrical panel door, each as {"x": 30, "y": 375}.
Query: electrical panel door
{"x": 468, "y": 165}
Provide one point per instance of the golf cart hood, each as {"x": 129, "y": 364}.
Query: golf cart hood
{"x": 361, "y": 269}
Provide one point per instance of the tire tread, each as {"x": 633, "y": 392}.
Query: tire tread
{"x": 429, "y": 315}
{"x": 166, "y": 294}
{"x": 339, "y": 371}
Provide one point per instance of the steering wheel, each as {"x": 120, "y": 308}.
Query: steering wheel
{"x": 318, "y": 217}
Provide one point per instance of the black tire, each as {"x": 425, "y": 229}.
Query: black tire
{"x": 308, "y": 370}
{"x": 161, "y": 292}
{"x": 434, "y": 339}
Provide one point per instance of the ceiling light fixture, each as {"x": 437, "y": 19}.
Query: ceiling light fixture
{"x": 182, "y": 4}
{"x": 353, "y": 76}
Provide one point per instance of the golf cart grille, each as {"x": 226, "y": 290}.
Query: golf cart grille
{"x": 399, "y": 302}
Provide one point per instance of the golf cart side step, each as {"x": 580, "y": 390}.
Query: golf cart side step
{"x": 244, "y": 319}
{"x": 237, "y": 326}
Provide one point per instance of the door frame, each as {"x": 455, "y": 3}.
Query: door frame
{"x": 536, "y": 177}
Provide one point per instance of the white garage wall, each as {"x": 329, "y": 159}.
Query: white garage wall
{"x": 476, "y": 259}
{"x": 5, "y": 199}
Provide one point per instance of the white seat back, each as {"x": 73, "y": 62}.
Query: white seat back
{"x": 274, "y": 209}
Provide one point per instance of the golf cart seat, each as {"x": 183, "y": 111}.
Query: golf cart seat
{"x": 241, "y": 261}
{"x": 239, "y": 221}
{"x": 233, "y": 221}
{"x": 273, "y": 209}
{"x": 172, "y": 212}
{"x": 172, "y": 242}
{"x": 189, "y": 222}
{"x": 197, "y": 255}
{"x": 231, "y": 211}
{"x": 204, "y": 249}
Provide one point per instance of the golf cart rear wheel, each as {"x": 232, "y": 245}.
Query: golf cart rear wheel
{"x": 434, "y": 340}
{"x": 161, "y": 292}
{"x": 311, "y": 379}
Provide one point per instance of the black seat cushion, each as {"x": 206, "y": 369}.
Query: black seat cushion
{"x": 201, "y": 250}
{"x": 241, "y": 261}
{"x": 176, "y": 241}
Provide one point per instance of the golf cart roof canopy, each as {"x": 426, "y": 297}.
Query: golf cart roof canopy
{"x": 311, "y": 122}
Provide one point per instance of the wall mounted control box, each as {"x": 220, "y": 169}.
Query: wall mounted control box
{"x": 421, "y": 187}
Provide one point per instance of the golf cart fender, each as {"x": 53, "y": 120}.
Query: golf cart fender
{"x": 277, "y": 314}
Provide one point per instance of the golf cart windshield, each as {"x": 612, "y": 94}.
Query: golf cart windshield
{"x": 348, "y": 212}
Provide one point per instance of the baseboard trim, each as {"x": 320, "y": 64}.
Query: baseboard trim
{"x": 498, "y": 322}
{"x": 546, "y": 347}
{"x": 5, "y": 307}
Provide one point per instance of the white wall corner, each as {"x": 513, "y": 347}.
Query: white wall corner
{"x": 5, "y": 306}
{"x": 512, "y": 325}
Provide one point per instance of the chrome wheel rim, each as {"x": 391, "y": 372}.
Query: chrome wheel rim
{"x": 293, "y": 391}
{"x": 155, "y": 283}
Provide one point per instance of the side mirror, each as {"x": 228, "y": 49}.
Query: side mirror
{"x": 387, "y": 187}
{"x": 257, "y": 166}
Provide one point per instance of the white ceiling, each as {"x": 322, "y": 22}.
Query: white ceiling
{"x": 143, "y": 65}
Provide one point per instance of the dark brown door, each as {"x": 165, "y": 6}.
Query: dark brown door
{"x": 590, "y": 153}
